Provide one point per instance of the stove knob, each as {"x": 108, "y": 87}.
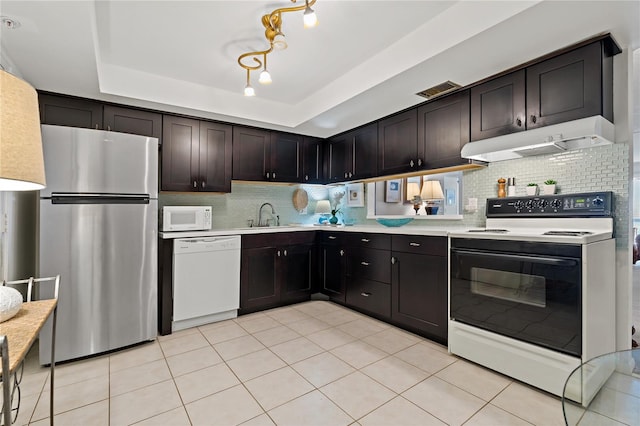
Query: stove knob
{"x": 530, "y": 204}
{"x": 597, "y": 201}
{"x": 518, "y": 205}
{"x": 556, "y": 203}
{"x": 543, "y": 203}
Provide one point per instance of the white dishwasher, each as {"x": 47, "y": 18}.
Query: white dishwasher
{"x": 206, "y": 280}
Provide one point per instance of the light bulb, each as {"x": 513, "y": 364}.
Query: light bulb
{"x": 279, "y": 43}
{"x": 265, "y": 77}
{"x": 309, "y": 18}
{"x": 248, "y": 90}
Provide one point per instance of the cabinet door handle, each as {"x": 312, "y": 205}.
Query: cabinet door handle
{"x": 195, "y": 184}
{"x": 332, "y": 237}
{"x": 364, "y": 263}
{"x": 419, "y": 162}
{"x": 273, "y": 175}
{"x": 203, "y": 184}
{"x": 365, "y": 294}
{"x": 414, "y": 244}
{"x": 533, "y": 119}
{"x": 365, "y": 240}
{"x": 278, "y": 253}
{"x": 285, "y": 252}
{"x": 350, "y": 174}
{"x": 411, "y": 163}
{"x": 341, "y": 252}
{"x": 346, "y": 175}
{"x": 268, "y": 174}
{"x": 306, "y": 177}
{"x": 393, "y": 260}
{"x": 108, "y": 128}
{"x": 519, "y": 122}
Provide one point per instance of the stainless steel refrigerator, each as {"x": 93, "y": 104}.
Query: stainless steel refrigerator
{"x": 98, "y": 229}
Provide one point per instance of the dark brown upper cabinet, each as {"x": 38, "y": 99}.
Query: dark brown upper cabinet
{"x": 251, "y": 153}
{"x": 137, "y": 122}
{"x": 312, "y": 168}
{"x": 196, "y": 155}
{"x": 398, "y": 143}
{"x": 286, "y": 155}
{"x": 567, "y": 86}
{"x": 353, "y": 155}
{"x": 570, "y": 86}
{"x": 498, "y": 106}
{"x": 443, "y": 129}
{"x": 68, "y": 111}
{"x": 261, "y": 155}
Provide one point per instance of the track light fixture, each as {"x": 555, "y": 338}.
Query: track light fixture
{"x": 272, "y": 23}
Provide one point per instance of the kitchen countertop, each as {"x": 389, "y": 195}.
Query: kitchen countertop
{"x": 440, "y": 231}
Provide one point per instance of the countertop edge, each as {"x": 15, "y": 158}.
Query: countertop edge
{"x": 379, "y": 229}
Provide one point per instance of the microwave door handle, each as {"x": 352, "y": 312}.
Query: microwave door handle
{"x": 519, "y": 257}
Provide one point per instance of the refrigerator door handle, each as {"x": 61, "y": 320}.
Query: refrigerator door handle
{"x": 58, "y": 198}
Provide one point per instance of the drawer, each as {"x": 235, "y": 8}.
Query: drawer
{"x": 329, "y": 237}
{"x": 375, "y": 241}
{"x": 419, "y": 244}
{"x": 371, "y": 296}
{"x": 276, "y": 239}
{"x": 370, "y": 264}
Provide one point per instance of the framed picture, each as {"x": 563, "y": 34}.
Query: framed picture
{"x": 355, "y": 195}
{"x": 393, "y": 191}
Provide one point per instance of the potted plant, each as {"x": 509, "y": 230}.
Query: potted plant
{"x": 532, "y": 188}
{"x": 549, "y": 187}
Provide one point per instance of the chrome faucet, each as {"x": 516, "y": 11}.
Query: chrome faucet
{"x": 273, "y": 213}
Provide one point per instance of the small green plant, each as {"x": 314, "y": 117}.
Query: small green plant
{"x": 550, "y": 182}
{"x": 532, "y": 184}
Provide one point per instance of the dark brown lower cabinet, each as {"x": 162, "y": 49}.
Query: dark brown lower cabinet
{"x": 370, "y": 296}
{"x": 276, "y": 269}
{"x": 368, "y": 275}
{"x": 333, "y": 278}
{"x": 419, "y": 285}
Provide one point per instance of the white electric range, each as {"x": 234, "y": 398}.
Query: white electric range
{"x": 532, "y": 295}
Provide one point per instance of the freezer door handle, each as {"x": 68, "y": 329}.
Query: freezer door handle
{"x": 99, "y": 199}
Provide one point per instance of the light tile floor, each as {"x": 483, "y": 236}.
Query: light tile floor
{"x": 315, "y": 363}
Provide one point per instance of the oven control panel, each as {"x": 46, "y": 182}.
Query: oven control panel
{"x": 588, "y": 204}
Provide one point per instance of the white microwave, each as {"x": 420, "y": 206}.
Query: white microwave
{"x": 186, "y": 218}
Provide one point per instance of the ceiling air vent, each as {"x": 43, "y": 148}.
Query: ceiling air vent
{"x": 439, "y": 90}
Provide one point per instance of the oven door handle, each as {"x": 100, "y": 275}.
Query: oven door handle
{"x": 519, "y": 257}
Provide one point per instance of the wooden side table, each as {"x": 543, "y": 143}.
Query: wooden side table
{"x": 16, "y": 337}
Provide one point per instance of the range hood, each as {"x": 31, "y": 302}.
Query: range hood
{"x": 583, "y": 133}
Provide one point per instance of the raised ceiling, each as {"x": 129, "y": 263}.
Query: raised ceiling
{"x": 365, "y": 60}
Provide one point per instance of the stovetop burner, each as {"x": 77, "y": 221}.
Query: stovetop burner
{"x": 501, "y": 231}
{"x": 568, "y": 233}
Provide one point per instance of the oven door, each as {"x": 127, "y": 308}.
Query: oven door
{"x": 527, "y": 291}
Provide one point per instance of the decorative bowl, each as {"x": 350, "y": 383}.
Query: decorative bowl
{"x": 394, "y": 222}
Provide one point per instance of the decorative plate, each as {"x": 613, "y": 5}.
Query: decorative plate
{"x": 300, "y": 199}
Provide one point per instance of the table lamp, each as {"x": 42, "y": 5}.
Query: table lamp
{"x": 21, "y": 160}
{"x": 431, "y": 190}
{"x": 323, "y": 207}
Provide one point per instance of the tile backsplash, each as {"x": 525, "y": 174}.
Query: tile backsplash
{"x": 603, "y": 168}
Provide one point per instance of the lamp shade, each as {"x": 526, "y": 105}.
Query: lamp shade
{"x": 413, "y": 190}
{"x": 21, "y": 161}
{"x": 323, "y": 207}
{"x": 431, "y": 190}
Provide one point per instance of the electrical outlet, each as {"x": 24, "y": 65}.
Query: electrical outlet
{"x": 473, "y": 203}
